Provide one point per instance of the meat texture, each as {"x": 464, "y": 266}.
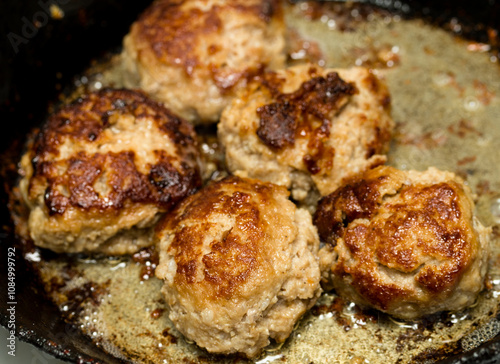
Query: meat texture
{"x": 240, "y": 265}
{"x": 104, "y": 169}
{"x": 194, "y": 54}
{"x": 403, "y": 242}
{"x": 307, "y": 128}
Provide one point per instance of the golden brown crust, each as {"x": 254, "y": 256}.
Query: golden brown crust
{"x": 307, "y": 128}
{"x": 174, "y": 30}
{"x": 308, "y": 111}
{"x": 238, "y": 253}
{"x": 84, "y": 122}
{"x": 304, "y": 113}
{"x": 194, "y": 55}
{"x": 239, "y": 264}
{"x": 359, "y": 198}
{"x": 103, "y": 170}
{"x": 388, "y": 224}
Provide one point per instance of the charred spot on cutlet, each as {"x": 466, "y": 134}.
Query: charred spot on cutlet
{"x": 88, "y": 175}
{"x": 278, "y": 124}
{"x": 304, "y": 112}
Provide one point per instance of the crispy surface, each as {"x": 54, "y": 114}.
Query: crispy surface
{"x": 406, "y": 243}
{"x": 240, "y": 265}
{"x": 295, "y": 114}
{"x": 110, "y": 162}
{"x": 193, "y": 54}
{"x": 307, "y": 128}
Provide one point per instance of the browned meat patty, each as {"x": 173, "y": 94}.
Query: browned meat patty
{"x": 103, "y": 170}
{"x": 307, "y": 128}
{"x": 193, "y": 54}
{"x": 240, "y": 265}
{"x": 406, "y": 243}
